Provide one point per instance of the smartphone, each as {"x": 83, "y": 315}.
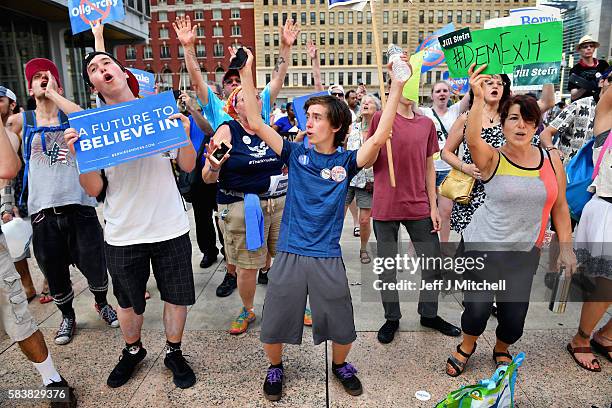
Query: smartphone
{"x": 239, "y": 60}
{"x": 221, "y": 151}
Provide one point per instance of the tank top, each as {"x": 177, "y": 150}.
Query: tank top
{"x": 515, "y": 212}
{"x": 249, "y": 168}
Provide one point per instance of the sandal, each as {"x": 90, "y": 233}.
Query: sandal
{"x": 356, "y": 231}
{"x": 574, "y": 350}
{"x": 497, "y": 354}
{"x": 601, "y": 349}
{"x": 459, "y": 366}
{"x": 364, "y": 257}
{"x": 147, "y": 295}
{"x": 45, "y": 297}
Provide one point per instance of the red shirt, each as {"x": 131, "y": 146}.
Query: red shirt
{"x": 413, "y": 141}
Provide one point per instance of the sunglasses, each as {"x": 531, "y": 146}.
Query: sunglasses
{"x": 338, "y": 95}
{"x": 587, "y": 46}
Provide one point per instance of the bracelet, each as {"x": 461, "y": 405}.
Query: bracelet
{"x": 461, "y": 167}
{"x": 549, "y": 148}
{"x": 210, "y": 169}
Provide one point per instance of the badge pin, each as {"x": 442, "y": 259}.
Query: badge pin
{"x": 338, "y": 174}
{"x": 303, "y": 159}
{"x": 246, "y": 139}
{"x": 325, "y": 174}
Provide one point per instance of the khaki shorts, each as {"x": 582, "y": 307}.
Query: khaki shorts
{"x": 234, "y": 232}
{"x": 15, "y": 317}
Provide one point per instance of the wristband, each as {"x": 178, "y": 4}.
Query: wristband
{"x": 213, "y": 170}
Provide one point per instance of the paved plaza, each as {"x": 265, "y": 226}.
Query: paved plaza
{"x": 231, "y": 369}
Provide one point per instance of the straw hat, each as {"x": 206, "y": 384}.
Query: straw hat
{"x": 587, "y": 39}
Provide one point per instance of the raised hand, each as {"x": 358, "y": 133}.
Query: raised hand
{"x": 477, "y": 80}
{"x": 210, "y": 149}
{"x": 312, "y": 50}
{"x": 403, "y": 57}
{"x": 184, "y": 31}
{"x": 246, "y": 70}
{"x": 97, "y": 28}
{"x": 232, "y": 51}
{"x": 289, "y": 33}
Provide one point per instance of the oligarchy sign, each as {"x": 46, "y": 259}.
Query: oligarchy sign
{"x": 85, "y": 12}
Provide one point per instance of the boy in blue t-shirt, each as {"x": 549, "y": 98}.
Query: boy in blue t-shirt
{"x": 309, "y": 260}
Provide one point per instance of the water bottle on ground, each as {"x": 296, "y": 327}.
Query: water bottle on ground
{"x": 401, "y": 70}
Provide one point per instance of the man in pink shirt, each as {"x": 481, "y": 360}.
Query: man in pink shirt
{"x": 411, "y": 203}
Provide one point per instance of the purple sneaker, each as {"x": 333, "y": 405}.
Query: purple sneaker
{"x": 345, "y": 372}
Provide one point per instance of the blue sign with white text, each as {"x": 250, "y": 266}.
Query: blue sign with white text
{"x": 84, "y": 12}
{"x": 434, "y": 55}
{"x": 115, "y": 134}
{"x": 146, "y": 82}
{"x": 298, "y": 108}
{"x": 459, "y": 86}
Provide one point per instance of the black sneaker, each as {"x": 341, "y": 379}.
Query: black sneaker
{"x": 346, "y": 374}
{"x": 69, "y": 402}
{"x": 125, "y": 367}
{"x": 273, "y": 385}
{"x": 387, "y": 332}
{"x": 441, "y": 325}
{"x": 227, "y": 286}
{"x": 182, "y": 374}
{"x": 66, "y": 330}
{"x": 262, "y": 278}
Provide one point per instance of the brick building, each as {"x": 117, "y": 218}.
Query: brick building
{"x": 221, "y": 23}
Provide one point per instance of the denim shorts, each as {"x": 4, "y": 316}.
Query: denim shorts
{"x": 440, "y": 176}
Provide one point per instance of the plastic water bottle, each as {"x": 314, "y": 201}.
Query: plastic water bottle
{"x": 18, "y": 234}
{"x": 401, "y": 70}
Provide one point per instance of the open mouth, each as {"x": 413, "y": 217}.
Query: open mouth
{"x": 495, "y": 93}
{"x": 44, "y": 83}
{"x": 521, "y": 134}
{"x": 108, "y": 77}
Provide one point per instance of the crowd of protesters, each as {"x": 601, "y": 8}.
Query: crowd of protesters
{"x": 278, "y": 198}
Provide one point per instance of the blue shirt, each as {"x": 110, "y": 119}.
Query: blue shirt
{"x": 214, "y": 113}
{"x": 250, "y": 165}
{"x": 314, "y": 208}
{"x": 283, "y": 124}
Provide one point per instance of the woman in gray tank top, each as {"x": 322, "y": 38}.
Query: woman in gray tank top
{"x": 523, "y": 185}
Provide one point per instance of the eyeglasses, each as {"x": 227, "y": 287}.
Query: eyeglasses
{"x": 232, "y": 81}
{"x": 589, "y": 45}
{"x": 338, "y": 95}
{"x": 501, "y": 84}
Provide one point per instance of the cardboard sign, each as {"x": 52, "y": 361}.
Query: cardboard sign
{"x": 115, "y": 134}
{"x": 146, "y": 82}
{"x": 84, "y": 12}
{"x": 503, "y": 48}
{"x": 298, "y": 107}
{"x": 411, "y": 87}
{"x": 536, "y": 74}
{"x": 433, "y": 51}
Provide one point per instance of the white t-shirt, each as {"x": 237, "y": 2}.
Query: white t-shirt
{"x": 448, "y": 119}
{"x": 143, "y": 204}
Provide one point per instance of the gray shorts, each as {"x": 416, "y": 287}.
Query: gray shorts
{"x": 292, "y": 279}
{"x": 15, "y": 317}
{"x": 363, "y": 199}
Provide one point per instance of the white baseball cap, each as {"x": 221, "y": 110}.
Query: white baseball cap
{"x": 4, "y": 91}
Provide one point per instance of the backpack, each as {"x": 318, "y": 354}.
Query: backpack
{"x": 186, "y": 181}
{"x": 580, "y": 173}
{"x": 29, "y": 131}
{"x": 495, "y": 392}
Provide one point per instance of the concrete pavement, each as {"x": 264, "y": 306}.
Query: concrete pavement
{"x": 230, "y": 369}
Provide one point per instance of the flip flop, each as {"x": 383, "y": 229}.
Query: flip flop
{"x": 601, "y": 349}
{"x": 356, "y": 231}
{"x": 574, "y": 350}
{"x": 45, "y": 298}
{"x": 364, "y": 257}
{"x": 147, "y": 295}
